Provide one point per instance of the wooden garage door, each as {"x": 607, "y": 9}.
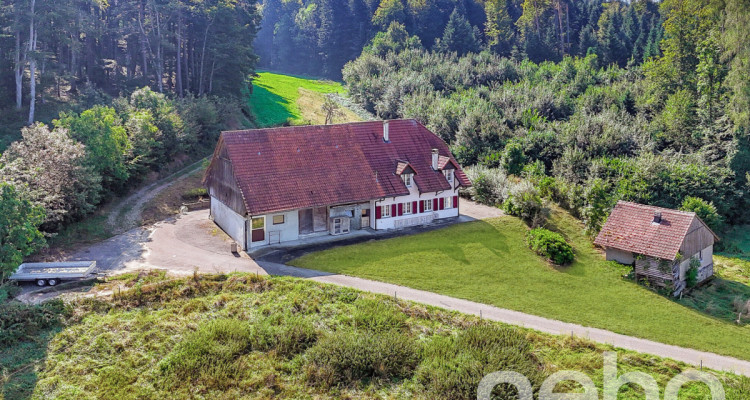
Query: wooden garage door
{"x": 313, "y": 220}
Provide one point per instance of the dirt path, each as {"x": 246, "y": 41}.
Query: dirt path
{"x": 127, "y": 213}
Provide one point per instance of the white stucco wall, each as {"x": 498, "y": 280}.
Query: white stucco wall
{"x": 390, "y": 223}
{"x": 708, "y": 259}
{"x": 229, "y": 221}
{"x": 621, "y": 256}
{"x": 287, "y": 231}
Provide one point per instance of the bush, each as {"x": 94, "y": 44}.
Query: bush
{"x": 550, "y": 245}
{"x": 454, "y": 365}
{"x": 705, "y": 210}
{"x": 489, "y": 185}
{"x": 525, "y": 202}
{"x": 20, "y": 321}
{"x": 288, "y": 335}
{"x": 378, "y": 316}
{"x": 691, "y": 275}
{"x": 209, "y": 354}
{"x": 513, "y": 158}
{"x": 194, "y": 194}
{"x": 352, "y": 355}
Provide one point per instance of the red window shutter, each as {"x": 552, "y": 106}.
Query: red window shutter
{"x": 400, "y": 209}
{"x": 414, "y": 208}
{"x": 455, "y": 201}
{"x": 378, "y": 212}
{"x": 393, "y": 210}
{"x": 421, "y": 206}
{"x": 434, "y": 204}
{"x": 442, "y": 203}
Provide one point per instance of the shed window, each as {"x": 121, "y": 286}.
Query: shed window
{"x": 278, "y": 219}
{"x": 258, "y": 222}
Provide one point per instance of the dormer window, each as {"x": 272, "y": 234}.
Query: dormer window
{"x": 448, "y": 175}
{"x": 407, "y": 179}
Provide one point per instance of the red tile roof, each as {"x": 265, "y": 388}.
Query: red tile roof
{"x": 289, "y": 168}
{"x": 630, "y": 227}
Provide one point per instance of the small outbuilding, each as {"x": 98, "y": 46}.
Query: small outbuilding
{"x": 664, "y": 246}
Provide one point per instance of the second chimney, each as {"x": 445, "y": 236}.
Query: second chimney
{"x": 386, "y": 136}
{"x": 435, "y": 159}
{"x": 657, "y": 217}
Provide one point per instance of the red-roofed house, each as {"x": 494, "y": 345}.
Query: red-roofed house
{"x": 280, "y": 184}
{"x": 659, "y": 242}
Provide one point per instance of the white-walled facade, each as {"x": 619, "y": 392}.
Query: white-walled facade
{"x": 415, "y": 209}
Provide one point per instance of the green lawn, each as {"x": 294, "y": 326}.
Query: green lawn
{"x": 274, "y": 97}
{"x": 488, "y": 261}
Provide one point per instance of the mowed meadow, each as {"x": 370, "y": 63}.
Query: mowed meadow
{"x": 279, "y": 99}
{"x": 488, "y": 261}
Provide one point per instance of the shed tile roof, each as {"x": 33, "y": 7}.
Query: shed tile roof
{"x": 309, "y": 166}
{"x": 630, "y": 227}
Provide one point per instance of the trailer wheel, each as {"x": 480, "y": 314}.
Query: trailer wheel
{"x": 52, "y": 282}
{"x": 41, "y": 282}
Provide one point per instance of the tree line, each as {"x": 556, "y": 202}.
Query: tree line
{"x": 48, "y": 49}
{"x": 673, "y": 131}
{"x": 319, "y": 36}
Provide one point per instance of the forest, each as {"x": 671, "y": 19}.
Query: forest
{"x": 319, "y": 36}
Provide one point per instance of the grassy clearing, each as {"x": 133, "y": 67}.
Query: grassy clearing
{"x": 488, "y": 262}
{"x": 243, "y": 336}
{"x": 278, "y": 99}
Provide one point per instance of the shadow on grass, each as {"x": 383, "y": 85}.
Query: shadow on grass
{"x": 269, "y": 108}
{"x": 20, "y": 363}
{"x": 720, "y": 299}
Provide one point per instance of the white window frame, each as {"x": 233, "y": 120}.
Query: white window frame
{"x": 448, "y": 175}
{"x": 407, "y": 179}
{"x": 385, "y": 211}
{"x": 427, "y": 205}
{"x": 407, "y": 208}
{"x": 448, "y": 202}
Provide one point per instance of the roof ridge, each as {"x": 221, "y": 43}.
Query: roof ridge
{"x": 303, "y": 127}
{"x": 648, "y": 206}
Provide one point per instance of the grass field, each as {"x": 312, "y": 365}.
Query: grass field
{"x": 488, "y": 262}
{"x": 279, "y": 99}
{"x": 243, "y": 336}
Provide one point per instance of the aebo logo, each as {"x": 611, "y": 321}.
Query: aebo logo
{"x": 611, "y": 387}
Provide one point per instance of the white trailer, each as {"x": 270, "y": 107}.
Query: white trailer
{"x": 53, "y": 272}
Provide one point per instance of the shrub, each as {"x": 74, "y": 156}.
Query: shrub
{"x": 288, "y": 335}
{"x": 550, "y": 245}
{"x": 209, "y": 354}
{"x": 378, "y": 316}
{"x": 513, "y": 158}
{"x": 489, "y": 185}
{"x": 454, "y": 365}
{"x": 705, "y": 210}
{"x": 195, "y": 193}
{"x": 345, "y": 357}
{"x": 525, "y": 202}
{"x": 20, "y": 321}
{"x": 691, "y": 275}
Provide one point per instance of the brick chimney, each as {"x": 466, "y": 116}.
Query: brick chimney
{"x": 435, "y": 159}
{"x": 386, "y": 135}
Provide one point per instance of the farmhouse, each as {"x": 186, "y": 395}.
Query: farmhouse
{"x": 663, "y": 245}
{"x": 276, "y": 185}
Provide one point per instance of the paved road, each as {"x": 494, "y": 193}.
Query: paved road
{"x": 193, "y": 242}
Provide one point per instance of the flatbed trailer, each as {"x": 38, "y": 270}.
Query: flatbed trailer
{"x": 52, "y": 273}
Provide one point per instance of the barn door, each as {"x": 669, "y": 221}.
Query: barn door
{"x": 305, "y": 221}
